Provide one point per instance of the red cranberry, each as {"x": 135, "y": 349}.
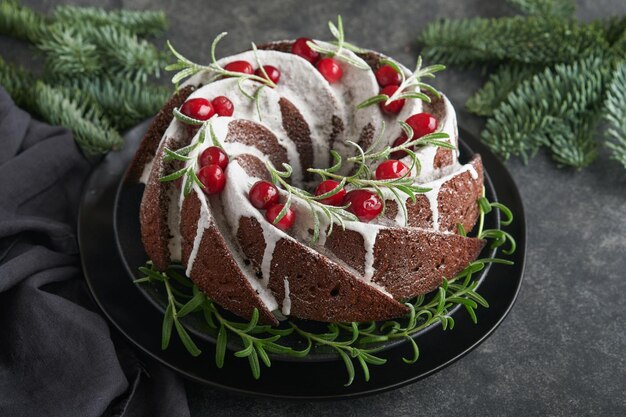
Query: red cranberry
{"x": 399, "y": 141}
{"x": 214, "y": 156}
{"x": 422, "y": 124}
{"x": 395, "y": 106}
{"x": 391, "y": 169}
{"x": 263, "y": 194}
{"x": 197, "y": 108}
{"x": 286, "y": 222}
{"x": 364, "y": 204}
{"x": 272, "y": 72}
{"x": 387, "y": 75}
{"x": 303, "y": 50}
{"x": 223, "y": 106}
{"x": 330, "y": 69}
{"x": 327, "y": 186}
{"x": 239, "y": 66}
{"x": 213, "y": 179}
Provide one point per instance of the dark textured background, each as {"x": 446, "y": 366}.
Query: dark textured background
{"x": 561, "y": 350}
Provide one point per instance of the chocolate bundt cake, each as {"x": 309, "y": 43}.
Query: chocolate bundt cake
{"x": 254, "y": 233}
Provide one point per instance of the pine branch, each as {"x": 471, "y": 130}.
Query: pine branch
{"x": 63, "y": 107}
{"x": 93, "y": 50}
{"x": 500, "y": 83}
{"x": 615, "y": 113}
{"x": 124, "y": 102}
{"x": 530, "y": 40}
{"x": 16, "y": 81}
{"x": 557, "y": 8}
{"x": 535, "y": 114}
{"x": 20, "y": 22}
{"x": 145, "y": 23}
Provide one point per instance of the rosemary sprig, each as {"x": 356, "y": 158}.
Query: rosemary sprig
{"x": 186, "y": 68}
{"x": 187, "y": 154}
{"x": 410, "y": 87}
{"x": 340, "y": 44}
{"x": 362, "y": 176}
{"x": 352, "y": 341}
{"x": 334, "y": 214}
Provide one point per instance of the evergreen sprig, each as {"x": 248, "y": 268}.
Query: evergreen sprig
{"x": 144, "y": 23}
{"x": 96, "y": 69}
{"x": 91, "y": 129}
{"x": 354, "y": 343}
{"x": 553, "y": 80}
{"x": 527, "y": 120}
{"x": 528, "y": 40}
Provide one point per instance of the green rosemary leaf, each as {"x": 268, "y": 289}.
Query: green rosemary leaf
{"x": 349, "y": 366}
{"x": 253, "y": 321}
{"x": 166, "y": 331}
{"x": 192, "y": 305}
{"x": 263, "y": 355}
{"x": 186, "y": 339}
{"x": 471, "y": 312}
{"x": 396, "y": 67}
{"x": 284, "y": 210}
{"x": 220, "y": 347}
{"x": 461, "y": 229}
{"x": 416, "y": 351}
{"x": 414, "y": 95}
{"x": 373, "y": 339}
{"x": 247, "y": 350}
{"x": 253, "y": 359}
{"x": 372, "y": 100}
{"x": 364, "y": 367}
{"x": 484, "y": 205}
{"x": 371, "y": 359}
{"x": 174, "y": 176}
{"x": 174, "y": 156}
{"x": 506, "y": 211}
{"x": 186, "y": 119}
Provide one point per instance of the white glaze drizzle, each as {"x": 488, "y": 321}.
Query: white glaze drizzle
{"x": 145, "y": 174}
{"x": 286, "y": 308}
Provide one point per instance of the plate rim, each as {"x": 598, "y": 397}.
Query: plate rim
{"x": 473, "y": 144}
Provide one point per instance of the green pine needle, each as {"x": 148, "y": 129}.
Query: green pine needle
{"x": 500, "y": 83}
{"x": 557, "y": 8}
{"x": 137, "y": 22}
{"x": 530, "y": 40}
{"x": 537, "y": 112}
{"x": 615, "y": 114}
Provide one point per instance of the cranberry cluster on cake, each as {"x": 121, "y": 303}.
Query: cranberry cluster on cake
{"x": 278, "y": 188}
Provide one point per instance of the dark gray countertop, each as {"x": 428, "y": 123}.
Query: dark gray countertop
{"x": 561, "y": 350}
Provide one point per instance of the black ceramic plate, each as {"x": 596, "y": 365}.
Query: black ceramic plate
{"x": 111, "y": 251}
